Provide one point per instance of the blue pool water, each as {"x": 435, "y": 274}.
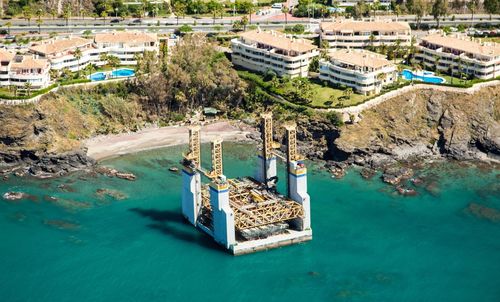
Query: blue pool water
{"x": 125, "y": 72}
{"x": 98, "y": 76}
{"x": 428, "y": 77}
{"x": 370, "y": 244}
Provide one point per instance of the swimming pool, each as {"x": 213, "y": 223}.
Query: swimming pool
{"x": 98, "y": 76}
{"x": 124, "y": 72}
{"x": 424, "y": 76}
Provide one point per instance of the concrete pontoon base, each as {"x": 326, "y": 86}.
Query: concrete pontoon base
{"x": 276, "y": 241}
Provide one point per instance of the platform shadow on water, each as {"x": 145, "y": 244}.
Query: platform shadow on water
{"x": 173, "y": 224}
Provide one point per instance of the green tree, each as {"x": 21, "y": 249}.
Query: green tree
{"x": 491, "y": 6}
{"x": 472, "y": 6}
{"x": 439, "y": 9}
{"x": 27, "y": 87}
{"x": 8, "y": 25}
{"x": 419, "y": 8}
{"x": 244, "y": 22}
{"x": 27, "y": 14}
{"x": 86, "y": 33}
{"x": 112, "y": 61}
{"x": 39, "y": 23}
{"x": 78, "y": 55}
{"x": 348, "y": 93}
{"x": 285, "y": 10}
{"x": 104, "y": 14}
{"x": 180, "y": 10}
{"x": 67, "y": 13}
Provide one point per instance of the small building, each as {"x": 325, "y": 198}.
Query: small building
{"x": 26, "y": 69}
{"x": 267, "y": 50}
{"x": 362, "y": 34}
{"x": 459, "y": 54}
{"x": 125, "y": 45}
{"x": 365, "y": 71}
{"x": 210, "y": 112}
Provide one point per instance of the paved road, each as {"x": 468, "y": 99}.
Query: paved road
{"x": 206, "y": 24}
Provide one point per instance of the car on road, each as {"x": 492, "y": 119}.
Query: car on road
{"x": 115, "y": 21}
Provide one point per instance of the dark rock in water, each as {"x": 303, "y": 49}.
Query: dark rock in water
{"x": 66, "y": 188}
{"x": 112, "y": 193}
{"x": 391, "y": 179}
{"x": 127, "y": 176}
{"x": 406, "y": 191}
{"x": 416, "y": 181}
{"x": 14, "y": 195}
{"x": 110, "y": 172}
{"x": 53, "y": 165}
{"x": 367, "y": 173}
{"x": 433, "y": 188}
{"x": 483, "y": 212}
{"x": 68, "y": 204}
{"x": 337, "y": 172}
{"x": 395, "y": 175}
{"x": 312, "y": 273}
{"x": 62, "y": 224}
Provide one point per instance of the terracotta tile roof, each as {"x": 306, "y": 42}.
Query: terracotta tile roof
{"x": 362, "y": 58}
{"x": 125, "y": 37}
{"x": 6, "y": 55}
{"x": 276, "y": 40}
{"x": 366, "y": 26}
{"x": 464, "y": 44}
{"x": 56, "y": 46}
{"x": 28, "y": 62}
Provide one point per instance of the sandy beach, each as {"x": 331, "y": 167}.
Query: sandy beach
{"x": 107, "y": 146}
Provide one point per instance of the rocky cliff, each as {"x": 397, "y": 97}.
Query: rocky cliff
{"x": 43, "y": 138}
{"x": 427, "y": 123}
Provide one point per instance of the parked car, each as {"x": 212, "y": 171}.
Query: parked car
{"x": 115, "y": 21}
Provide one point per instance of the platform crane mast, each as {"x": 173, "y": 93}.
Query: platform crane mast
{"x": 291, "y": 155}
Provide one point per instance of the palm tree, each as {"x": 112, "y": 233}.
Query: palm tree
{"x": 180, "y": 10}
{"x": 112, "y": 61}
{"x": 53, "y": 13}
{"x": 381, "y": 78}
{"x": 372, "y": 42}
{"x": 103, "y": 57}
{"x": 285, "y": 11}
{"x": 400, "y": 70}
{"x": 90, "y": 68}
{"x": 251, "y": 9}
{"x": 27, "y": 14}
{"x": 78, "y": 55}
{"x": 347, "y": 93}
{"x": 104, "y": 14}
{"x": 9, "y": 25}
{"x": 27, "y": 87}
{"x": 39, "y": 24}
{"x": 67, "y": 13}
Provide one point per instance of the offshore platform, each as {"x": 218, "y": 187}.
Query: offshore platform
{"x": 246, "y": 215}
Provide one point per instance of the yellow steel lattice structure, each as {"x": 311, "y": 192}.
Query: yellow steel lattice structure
{"x": 267, "y": 134}
{"x": 194, "y": 155}
{"x": 253, "y": 207}
{"x": 291, "y": 138}
{"x": 216, "y": 160}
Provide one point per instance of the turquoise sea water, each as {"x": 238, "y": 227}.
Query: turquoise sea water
{"x": 369, "y": 244}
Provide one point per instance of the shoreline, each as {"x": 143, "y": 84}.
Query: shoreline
{"x": 109, "y": 146}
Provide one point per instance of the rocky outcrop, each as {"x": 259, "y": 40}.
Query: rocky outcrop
{"x": 426, "y": 124}
{"x": 42, "y": 139}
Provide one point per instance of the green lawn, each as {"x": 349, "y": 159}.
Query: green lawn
{"x": 320, "y": 93}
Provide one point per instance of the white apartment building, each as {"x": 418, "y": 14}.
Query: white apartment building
{"x": 459, "y": 53}
{"x": 262, "y": 51}
{"x": 61, "y": 53}
{"x": 362, "y": 34}
{"x": 366, "y": 72}
{"x": 18, "y": 70}
{"x": 124, "y": 45}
